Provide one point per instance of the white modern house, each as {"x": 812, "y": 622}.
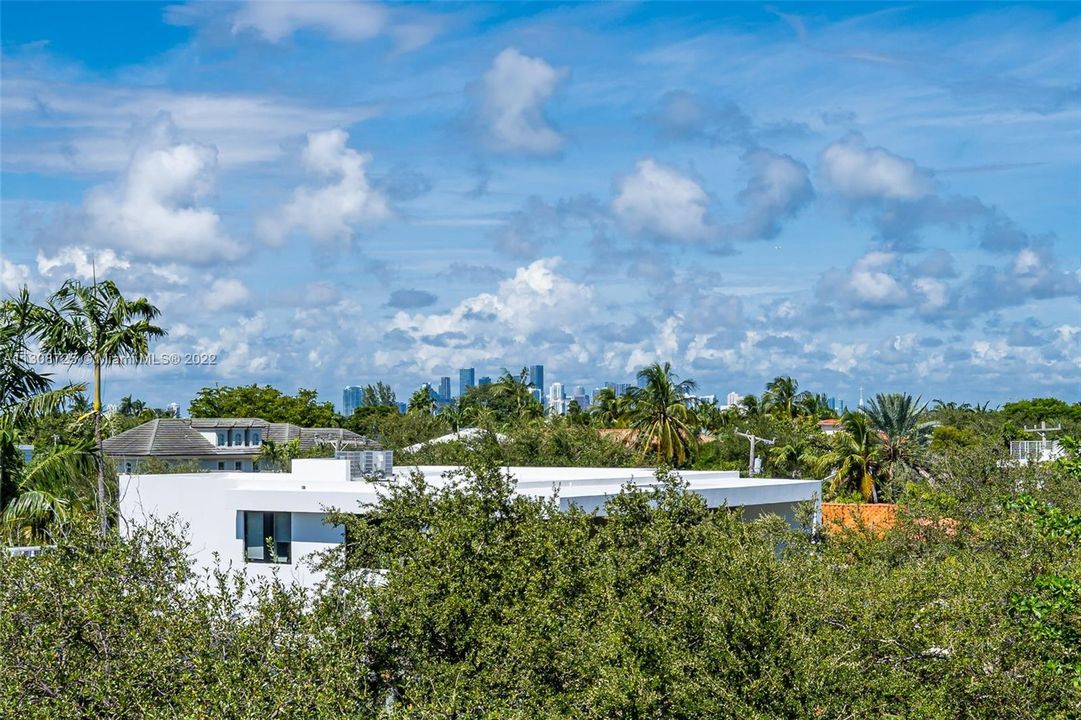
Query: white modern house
{"x": 233, "y": 513}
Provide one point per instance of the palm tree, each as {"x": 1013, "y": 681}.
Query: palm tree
{"x": 903, "y": 426}
{"x": 606, "y": 409}
{"x": 422, "y": 400}
{"x": 664, "y": 422}
{"x": 96, "y": 324}
{"x": 793, "y": 456}
{"x": 453, "y": 414}
{"x": 853, "y": 459}
{"x": 49, "y": 489}
{"x": 516, "y": 392}
{"x": 34, "y": 495}
{"x": 276, "y": 457}
{"x": 782, "y": 396}
{"x": 749, "y": 407}
{"x": 815, "y": 405}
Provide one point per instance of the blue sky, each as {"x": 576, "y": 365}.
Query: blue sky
{"x": 870, "y": 195}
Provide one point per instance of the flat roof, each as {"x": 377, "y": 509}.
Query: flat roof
{"x": 317, "y": 484}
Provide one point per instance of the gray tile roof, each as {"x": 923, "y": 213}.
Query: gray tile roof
{"x": 181, "y": 437}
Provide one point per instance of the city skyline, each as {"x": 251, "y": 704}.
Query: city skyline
{"x": 880, "y": 195}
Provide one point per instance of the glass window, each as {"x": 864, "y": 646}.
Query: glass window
{"x": 221, "y": 465}
{"x": 255, "y": 467}
{"x": 239, "y": 465}
{"x": 221, "y": 439}
{"x": 255, "y": 437}
{"x": 267, "y": 537}
{"x": 238, "y": 438}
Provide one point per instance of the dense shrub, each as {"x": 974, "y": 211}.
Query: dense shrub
{"x": 502, "y": 606}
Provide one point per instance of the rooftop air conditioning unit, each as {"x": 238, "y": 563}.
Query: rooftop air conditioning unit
{"x": 364, "y": 464}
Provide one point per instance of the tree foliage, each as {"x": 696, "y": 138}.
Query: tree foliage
{"x": 266, "y": 402}
{"x": 492, "y": 604}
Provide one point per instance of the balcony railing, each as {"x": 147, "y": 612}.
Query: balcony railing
{"x": 1038, "y": 450}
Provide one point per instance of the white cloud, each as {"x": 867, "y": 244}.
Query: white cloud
{"x": 226, "y": 293}
{"x": 331, "y": 212}
{"x": 514, "y": 91}
{"x": 81, "y": 262}
{"x": 153, "y": 211}
{"x": 858, "y": 172}
{"x": 658, "y": 200}
{"x": 661, "y": 346}
{"x": 487, "y": 325}
{"x": 13, "y": 276}
{"x": 872, "y": 285}
{"x": 845, "y": 356}
{"x": 275, "y": 21}
{"x": 935, "y": 293}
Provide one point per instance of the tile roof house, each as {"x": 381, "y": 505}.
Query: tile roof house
{"x": 232, "y": 444}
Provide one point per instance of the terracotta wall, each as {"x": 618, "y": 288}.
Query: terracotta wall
{"x": 874, "y": 517}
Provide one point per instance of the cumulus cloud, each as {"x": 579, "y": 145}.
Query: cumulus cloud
{"x": 13, "y": 276}
{"x": 154, "y": 210}
{"x": 513, "y": 93}
{"x": 858, "y": 172}
{"x": 226, "y": 293}
{"x": 660, "y": 201}
{"x": 872, "y": 284}
{"x": 777, "y": 189}
{"x": 491, "y": 325}
{"x": 81, "y": 262}
{"x": 333, "y": 211}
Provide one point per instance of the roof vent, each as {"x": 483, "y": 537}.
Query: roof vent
{"x": 364, "y": 464}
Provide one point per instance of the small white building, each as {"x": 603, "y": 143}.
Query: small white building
{"x": 233, "y": 513}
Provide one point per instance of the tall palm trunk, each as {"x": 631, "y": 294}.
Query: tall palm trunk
{"x": 103, "y": 518}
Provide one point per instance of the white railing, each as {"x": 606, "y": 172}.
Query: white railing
{"x": 29, "y": 550}
{"x": 1038, "y": 450}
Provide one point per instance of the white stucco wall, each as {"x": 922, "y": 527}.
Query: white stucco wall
{"x": 212, "y": 504}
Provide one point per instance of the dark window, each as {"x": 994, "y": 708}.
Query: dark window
{"x": 238, "y": 438}
{"x": 239, "y": 465}
{"x": 221, "y": 438}
{"x": 255, "y": 437}
{"x": 255, "y": 467}
{"x": 221, "y": 465}
{"x": 267, "y": 537}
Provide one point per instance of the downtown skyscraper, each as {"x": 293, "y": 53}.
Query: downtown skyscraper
{"x": 352, "y": 397}
{"x": 466, "y": 379}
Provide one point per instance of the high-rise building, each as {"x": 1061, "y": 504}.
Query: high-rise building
{"x": 466, "y": 380}
{"x": 444, "y": 388}
{"x": 484, "y": 380}
{"x": 536, "y": 377}
{"x": 733, "y": 398}
{"x": 555, "y": 392}
{"x": 580, "y": 397}
{"x": 352, "y": 397}
{"x": 557, "y": 404}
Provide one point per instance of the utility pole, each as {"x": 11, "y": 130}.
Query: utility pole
{"x": 754, "y": 439}
{"x": 1042, "y": 430}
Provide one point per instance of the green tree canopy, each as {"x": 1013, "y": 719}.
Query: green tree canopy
{"x": 263, "y": 401}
